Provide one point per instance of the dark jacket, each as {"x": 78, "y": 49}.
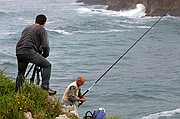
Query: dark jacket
{"x": 34, "y": 39}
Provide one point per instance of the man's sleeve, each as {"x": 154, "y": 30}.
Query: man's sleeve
{"x": 72, "y": 94}
{"x": 45, "y": 44}
{"x": 80, "y": 94}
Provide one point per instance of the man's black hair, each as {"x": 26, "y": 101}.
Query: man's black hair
{"x": 40, "y": 19}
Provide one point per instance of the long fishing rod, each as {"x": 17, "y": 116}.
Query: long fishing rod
{"x": 122, "y": 56}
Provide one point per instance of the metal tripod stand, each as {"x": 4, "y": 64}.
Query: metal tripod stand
{"x": 36, "y": 73}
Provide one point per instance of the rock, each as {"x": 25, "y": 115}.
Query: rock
{"x": 28, "y": 115}
{"x": 160, "y": 7}
{"x": 62, "y": 117}
{"x": 153, "y": 7}
{"x": 124, "y": 4}
{"x": 50, "y": 100}
{"x": 70, "y": 109}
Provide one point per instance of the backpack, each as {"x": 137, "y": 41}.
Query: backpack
{"x": 88, "y": 115}
{"x": 99, "y": 114}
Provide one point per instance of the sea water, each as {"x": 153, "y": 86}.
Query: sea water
{"x": 87, "y": 40}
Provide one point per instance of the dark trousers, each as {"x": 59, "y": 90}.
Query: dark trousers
{"x": 37, "y": 59}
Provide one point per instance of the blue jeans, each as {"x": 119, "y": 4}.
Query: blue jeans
{"x": 65, "y": 103}
{"x": 37, "y": 59}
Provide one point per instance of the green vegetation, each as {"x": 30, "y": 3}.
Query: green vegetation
{"x": 31, "y": 98}
{"x": 113, "y": 117}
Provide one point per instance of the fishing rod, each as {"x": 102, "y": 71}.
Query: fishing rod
{"x": 122, "y": 55}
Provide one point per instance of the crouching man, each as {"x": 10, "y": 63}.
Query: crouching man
{"x": 72, "y": 95}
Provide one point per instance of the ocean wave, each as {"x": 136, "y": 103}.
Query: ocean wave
{"x": 2, "y": 13}
{"x": 8, "y": 63}
{"x": 84, "y": 10}
{"x": 141, "y": 96}
{"x": 138, "y": 12}
{"x": 140, "y": 27}
{"x": 5, "y": 55}
{"x": 63, "y": 32}
{"x": 101, "y": 32}
{"x": 7, "y": 33}
{"x": 163, "y": 114}
{"x": 78, "y": 3}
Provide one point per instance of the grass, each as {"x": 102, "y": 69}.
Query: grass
{"x": 31, "y": 98}
{"x": 113, "y": 117}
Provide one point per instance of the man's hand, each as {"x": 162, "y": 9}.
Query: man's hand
{"x": 82, "y": 99}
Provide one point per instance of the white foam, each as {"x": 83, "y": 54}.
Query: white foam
{"x": 130, "y": 26}
{"x": 7, "y": 33}
{"x": 138, "y": 12}
{"x": 99, "y": 32}
{"x": 84, "y": 10}
{"x": 162, "y": 114}
{"x": 63, "y": 32}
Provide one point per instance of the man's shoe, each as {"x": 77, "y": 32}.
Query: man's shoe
{"x": 51, "y": 92}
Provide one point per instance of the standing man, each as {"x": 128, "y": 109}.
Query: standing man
{"x": 72, "y": 94}
{"x": 33, "y": 42}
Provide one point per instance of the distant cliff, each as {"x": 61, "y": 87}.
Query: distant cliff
{"x": 153, "y": 7}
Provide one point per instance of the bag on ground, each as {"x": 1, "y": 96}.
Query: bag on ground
{"x": 88, "y": 115}
{"x": 99, "y": 114}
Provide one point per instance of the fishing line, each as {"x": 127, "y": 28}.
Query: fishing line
{"x": 122, "y": 56}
